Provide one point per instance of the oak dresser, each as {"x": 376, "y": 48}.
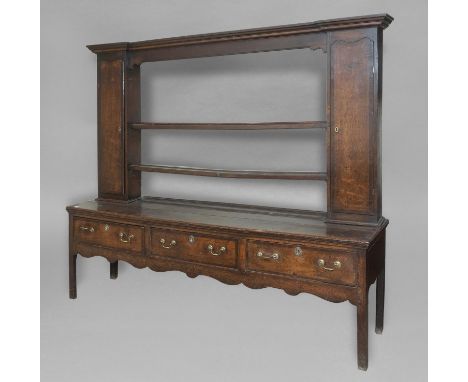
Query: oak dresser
{"x": 335, "y": 254}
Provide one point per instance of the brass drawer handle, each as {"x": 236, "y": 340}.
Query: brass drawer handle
{"x": 171, "y": 244}
{"x": 125, "y": 237}
{"x": 221, "y": 250}
{"x": 84, "y": 228}
{"x": 274, "y": 256}
{"x": 336, "y": 265}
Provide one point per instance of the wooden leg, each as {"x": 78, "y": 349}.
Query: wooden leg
{"x": 380, "y": 298}
{"x": 362, "y": 331}
{"x": 114, "y": 269}
{"x": 72, "y": 275}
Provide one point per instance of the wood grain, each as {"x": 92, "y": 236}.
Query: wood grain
{"x": 110, "y": 125}
{"x": 253, "y": 245}
{"x": 108, "y": 234}
{"x": 296, "y": 225}
{"x": 304, "y": 264}
{"x": 229, "y": 126}
{"x": 219, "y": 173}
{"x": 196, "y": 250}
{"x": 351, "y": 78}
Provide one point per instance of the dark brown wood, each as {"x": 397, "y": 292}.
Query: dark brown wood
{"x": 193, "y": 246}
{"x": 243, "y": 230}
{"x": 302, "y": 261}
{"x": 307, "y": 35}
{"x": 118, "y": 102}
{"x": 254, "y": 280}
{"x": 362, "y": 332}
{"x": 110, "y": 123}
{"x": 380, "y": 286}
{"x": 275, "y": 229}
{"x": 71, "y": 260}
{"x": 335, "y": 254}
{"x": 290, "y": 224}
{"x": 72, "y": 275}
{"x": 230, "y": 126}
{"x": 114, "y": 269}
{"x": 218, "y": 173}
{"x": 380, "y": 298}
{"x": 217, "y": 47}
{"x": 124, "y": 236}
{"x": 362, "y": 292}
{"x": 350, "y": 143}
{"x": 132, "y": 137}
{"x": 354, "y": 163}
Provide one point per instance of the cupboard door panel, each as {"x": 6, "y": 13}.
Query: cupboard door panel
{"x": 352, "y": 126}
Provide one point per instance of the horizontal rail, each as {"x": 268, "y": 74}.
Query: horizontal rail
{"x": 229, "y": 126}
{"x": 246, "y": 174}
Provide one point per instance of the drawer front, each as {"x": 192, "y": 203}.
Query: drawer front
{"x": 317, "y": 263}
{"x": 192, "y": 246}
{"x": 122, "y": 236}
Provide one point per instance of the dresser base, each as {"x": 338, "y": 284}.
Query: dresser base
{"x": 293, "y": 250}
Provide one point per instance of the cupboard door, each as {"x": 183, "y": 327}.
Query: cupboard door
{"x": 354, "y": 129}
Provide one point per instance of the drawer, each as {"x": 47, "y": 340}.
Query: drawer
{"x": 192, "y": 246}
{"x": 122, "y": 236}
{"x": 330, "y": 265}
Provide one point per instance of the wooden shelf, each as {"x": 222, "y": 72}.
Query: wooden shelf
{"x": 245, "y": 174}
{"x": 229, "y": 126}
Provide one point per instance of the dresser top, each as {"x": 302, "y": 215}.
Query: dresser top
{"x": 289, "y": 223}
{"x": 380, "y": 20}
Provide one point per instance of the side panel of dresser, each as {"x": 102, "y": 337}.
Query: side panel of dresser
{"x": 118, "y": 103}
{"x": 355, "y": 66}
